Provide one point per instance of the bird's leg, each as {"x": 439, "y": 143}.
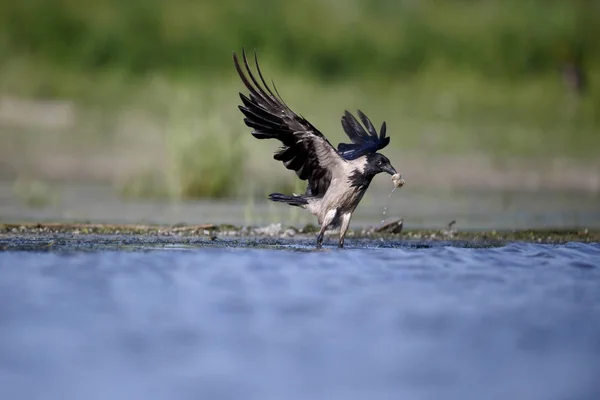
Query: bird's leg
{"x": 344, "y": 228}
{"x": 320, "y": 238}
{"x": 329, "y": 217}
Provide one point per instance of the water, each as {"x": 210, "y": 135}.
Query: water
{"x": 515, "y": 322}
{"x": 418, "y": 208}
{"x": 385, "y": 208}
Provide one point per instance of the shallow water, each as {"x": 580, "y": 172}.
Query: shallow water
{"x": 519, "y": 321}
{"x": 419, "y": 208}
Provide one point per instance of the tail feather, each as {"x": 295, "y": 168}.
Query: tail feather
{"x": 291, "y": 200}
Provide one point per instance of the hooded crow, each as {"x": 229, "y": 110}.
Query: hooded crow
{"x": 336, "y": 179}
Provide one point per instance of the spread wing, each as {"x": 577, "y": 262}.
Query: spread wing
{"x": 363, "y": 141}
{"x": 304, "y": 149}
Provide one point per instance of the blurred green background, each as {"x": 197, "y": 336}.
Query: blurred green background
{"x": 142, "y": 94}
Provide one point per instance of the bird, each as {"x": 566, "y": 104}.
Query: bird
{"x": 337, "y": 178}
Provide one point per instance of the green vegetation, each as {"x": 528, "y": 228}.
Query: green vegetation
{"x": 458, "y": 77}
{"x": 204, "y": 157}
{"x": 34, "y": 193}
{"x": 203, "y": 154}
{"x": 329, "y": 40}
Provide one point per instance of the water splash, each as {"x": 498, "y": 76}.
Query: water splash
{"x": 386, "y": 204}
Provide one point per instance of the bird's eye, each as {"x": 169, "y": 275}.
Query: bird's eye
{"x": 379, "y": 163}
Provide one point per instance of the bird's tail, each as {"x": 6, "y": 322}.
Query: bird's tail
{"x": 294, "y": 200}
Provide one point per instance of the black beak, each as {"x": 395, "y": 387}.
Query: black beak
{"x": 389, "y": 169}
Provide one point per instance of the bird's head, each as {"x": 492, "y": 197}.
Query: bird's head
{"x": 377, "y": 162}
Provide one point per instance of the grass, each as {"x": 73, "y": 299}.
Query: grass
{"x": 203, "y": 155}
{"x": 203, "y": 149}
{"x": 437, "y": 112}
{"x": 326, "y": 40}
{"x": 451, "y": 78}
{"x": 34, "y": 193}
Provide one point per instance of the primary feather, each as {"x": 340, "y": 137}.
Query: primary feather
{"x": 305, "y": 149}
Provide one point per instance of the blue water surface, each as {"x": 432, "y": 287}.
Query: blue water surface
{"x": 520, "y": 321}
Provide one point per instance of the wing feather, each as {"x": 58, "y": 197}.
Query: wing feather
{"x": 304, "y": 149}
{"x": 363, "y": 141}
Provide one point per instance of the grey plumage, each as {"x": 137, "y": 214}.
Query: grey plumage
{"x": 336, "y": 178}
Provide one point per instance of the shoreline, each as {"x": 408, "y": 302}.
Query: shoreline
{"x": 392, "y": 231}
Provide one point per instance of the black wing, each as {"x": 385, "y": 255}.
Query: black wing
{"x": 363, "y": 141}
{"x": 305, "y": 150}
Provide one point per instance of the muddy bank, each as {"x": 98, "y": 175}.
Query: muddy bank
{"x": 96, "y": 236}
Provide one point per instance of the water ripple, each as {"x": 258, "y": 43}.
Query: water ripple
{"x": 520, "y": 321}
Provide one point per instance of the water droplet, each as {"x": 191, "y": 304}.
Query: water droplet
{"x": 386, "y": 206}
{"x": 384, "y": 212}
